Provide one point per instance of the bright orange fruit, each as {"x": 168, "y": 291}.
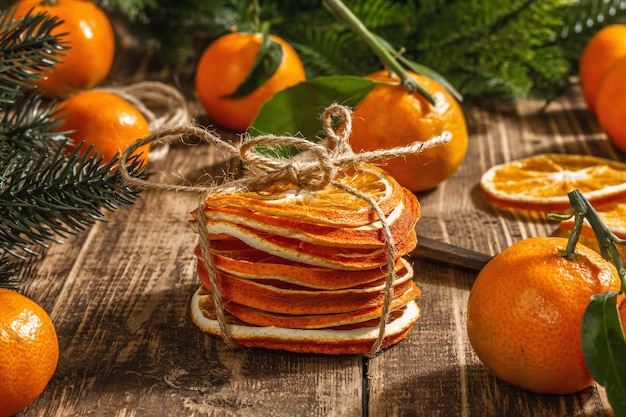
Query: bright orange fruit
{"x": 224, "y": 65}
{"x": 389, "y": 117}
{"x": 541, "y": 182}
{"x": 90, "y": 38}
{"x": 611, "y": 103}
{"x": 602, "y": 51}
{"x": 104, "y": 120}
{"x": 29, "y": 351}
{"x": 525, "y": 310}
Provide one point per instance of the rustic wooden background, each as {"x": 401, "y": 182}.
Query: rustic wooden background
{"x": 119, "y": 296}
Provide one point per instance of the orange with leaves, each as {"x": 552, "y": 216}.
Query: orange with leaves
{"x": 600, "y": 53}
{"x": 89, "y": 35}
{"x": 224, "y": 66}
{"x": 525, "y": 310}
{"x": 105, "y": 121}
{"x": 29, "y": 351}
{"x": 389, "y": 117}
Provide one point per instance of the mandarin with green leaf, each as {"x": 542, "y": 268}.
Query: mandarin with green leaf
{"x": 229, "y": 96}
{"x": 389, "y": 117}
{"x": 525, "y": 310}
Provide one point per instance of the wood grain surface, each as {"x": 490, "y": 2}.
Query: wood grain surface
{"x": 119, "y": 296}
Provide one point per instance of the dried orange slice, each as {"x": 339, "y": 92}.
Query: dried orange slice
{"x": 317, "y": 321}
{"x": 299, "y": 274}
{"x": 269, "y": 296}
{"x": 330, "y": 205}
{"x": 400, "y": 220}
{"x": 541, "y": 182}
{"x": 238, "y": 237}
{"x": 351, "y": 339}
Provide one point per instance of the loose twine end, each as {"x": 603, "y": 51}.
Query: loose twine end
{"x": 316, "y": 167}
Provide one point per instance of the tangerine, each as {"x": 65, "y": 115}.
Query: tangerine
{"x": 224, "y": 65}
{"x": 600, "y": 53}
{"x": 104, "y": 120}
{"x": 389, "y": 117}
{"x": 29, "y": 351}
{"x": 88, "y": 32}
{"x": 611, "y": 103}
{"x": 525, "y": 310}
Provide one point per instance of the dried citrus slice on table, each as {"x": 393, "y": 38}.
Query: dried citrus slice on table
{"x": 541, "y": 182}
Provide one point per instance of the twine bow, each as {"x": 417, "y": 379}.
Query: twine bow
{"x": 314, "y": 168}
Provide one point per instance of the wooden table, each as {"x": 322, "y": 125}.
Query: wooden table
{"x": 119, "y": 296}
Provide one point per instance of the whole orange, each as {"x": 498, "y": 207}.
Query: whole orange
{"x": 104, "y": 120}
{"x": 224, "y": 65}
{"x": 611, "y": 103}
{"x": 89, "y": 36}
{"x": 29, "y": 351}
{"x": 600, "y": 52}
{"x": 389, "y": 117}
{"x": 525, "y": 310}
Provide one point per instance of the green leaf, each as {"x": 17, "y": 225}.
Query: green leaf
{"x": 265, "y": 64}
{"x": 604, "y": 348}
{"x": 297, "y": 110}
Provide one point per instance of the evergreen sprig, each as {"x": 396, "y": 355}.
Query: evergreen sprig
{"x": 494, "y": 49}
{"x": 53, "y": 195}
{"x": 27, "y": 47}
{"x": 46, "y": 193}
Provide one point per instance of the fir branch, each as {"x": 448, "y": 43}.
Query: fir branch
{"x": 28, "y": 124}
{"x": 7, "y": 274}
{"x": 50, "y": 196}
{"x": 56, "y": 194}
{"x": 27, "y": 47}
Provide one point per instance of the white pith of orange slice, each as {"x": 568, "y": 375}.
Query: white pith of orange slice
{"x": 541, "y": 182}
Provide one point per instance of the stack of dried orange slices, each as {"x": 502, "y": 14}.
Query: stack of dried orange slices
{"x": 306, "y": 270}
{"x": 541, "y": 182}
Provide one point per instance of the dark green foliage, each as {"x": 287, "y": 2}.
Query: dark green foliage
{"x": 496, "y": 49}
{"x": 45, "y": 193}
{"x": 26, "y": 45}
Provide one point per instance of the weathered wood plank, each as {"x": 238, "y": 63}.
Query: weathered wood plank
{"x": 120, "y": 300}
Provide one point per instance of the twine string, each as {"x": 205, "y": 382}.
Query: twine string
{"x": 207, "y": 260}
{"x": 314, "y": 168}
{"x": 162, "y": 105}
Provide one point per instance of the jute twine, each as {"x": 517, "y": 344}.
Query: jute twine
{"x": 316, "y": 167}
{"x": 162, "y": 105}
